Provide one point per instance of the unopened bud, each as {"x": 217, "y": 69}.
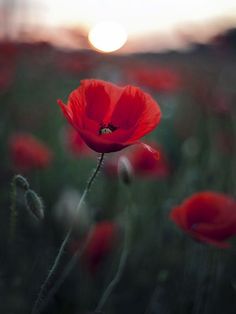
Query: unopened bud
{"x": 21, "y": 182}
{"x": 125, "y": 170}
{"x": 34, "y": 204}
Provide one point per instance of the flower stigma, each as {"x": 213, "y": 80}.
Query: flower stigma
{"x": 107, "y": 129}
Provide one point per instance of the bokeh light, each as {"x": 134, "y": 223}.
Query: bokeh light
{"x": 107, "y": 36}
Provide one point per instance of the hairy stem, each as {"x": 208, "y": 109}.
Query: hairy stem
{"x": 44, "y": 287}
{"x": 66, "y": 271}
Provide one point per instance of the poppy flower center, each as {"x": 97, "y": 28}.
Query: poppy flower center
{"x": 107, "y": 129}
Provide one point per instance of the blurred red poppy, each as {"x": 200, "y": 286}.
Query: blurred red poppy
{"x": 208, "y": 217}
{"x": 28, "y": 153}
{"x": 101, "y": 244}
{"x": 159, "y": 79}
{"x": 149, "y": 162}
{"x": 146, "y": 161}
{"x": 74, "y": 63}
{"x": 109, "y": 117}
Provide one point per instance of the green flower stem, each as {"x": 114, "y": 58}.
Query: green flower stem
{"x": 43, "y": 291}
{"x": 66, "y": 271}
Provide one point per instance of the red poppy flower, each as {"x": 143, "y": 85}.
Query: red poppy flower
{"x": 76, "y": 145}
{"x": 108, "y": 117}
{"x": 208, "y": 217}
{"x": 146, "y": 161}
{"x": 100, "y": 245}
{"x": 159, "y": 79}
{"x": 149, "y": 162}
{"x": 74, "y": 63}
{"x": 28, "y": 153}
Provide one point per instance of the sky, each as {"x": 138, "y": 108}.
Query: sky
{"x": 140, "y": 18}
{"x": 137, "y": 16}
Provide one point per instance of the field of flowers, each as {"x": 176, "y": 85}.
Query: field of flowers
{"x": 149, "y": 227}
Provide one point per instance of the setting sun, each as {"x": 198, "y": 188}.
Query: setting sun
{"x": 107, "y": 36}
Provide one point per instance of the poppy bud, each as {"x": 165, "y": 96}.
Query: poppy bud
{"x": 34, "y": 204}
{"x": 21, "y": 182}
{"x": 125, "y": 170}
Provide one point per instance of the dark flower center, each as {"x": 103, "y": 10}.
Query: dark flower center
{"x": 107, "y": 129}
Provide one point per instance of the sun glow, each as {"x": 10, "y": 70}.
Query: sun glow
{"x": 107, "y": 36}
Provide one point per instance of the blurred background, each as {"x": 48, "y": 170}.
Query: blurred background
{"x": 183, "y": 54}
{"x": 148, "y": 25}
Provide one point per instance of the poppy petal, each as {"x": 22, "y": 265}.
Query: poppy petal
{"x": 149, "y": 119}
{"x": 66, "y": 111}
{"x": 129, "y": 108}
{"x": 97, "y": 100}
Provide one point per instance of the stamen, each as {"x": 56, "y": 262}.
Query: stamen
{"x": 107, "y": 129}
